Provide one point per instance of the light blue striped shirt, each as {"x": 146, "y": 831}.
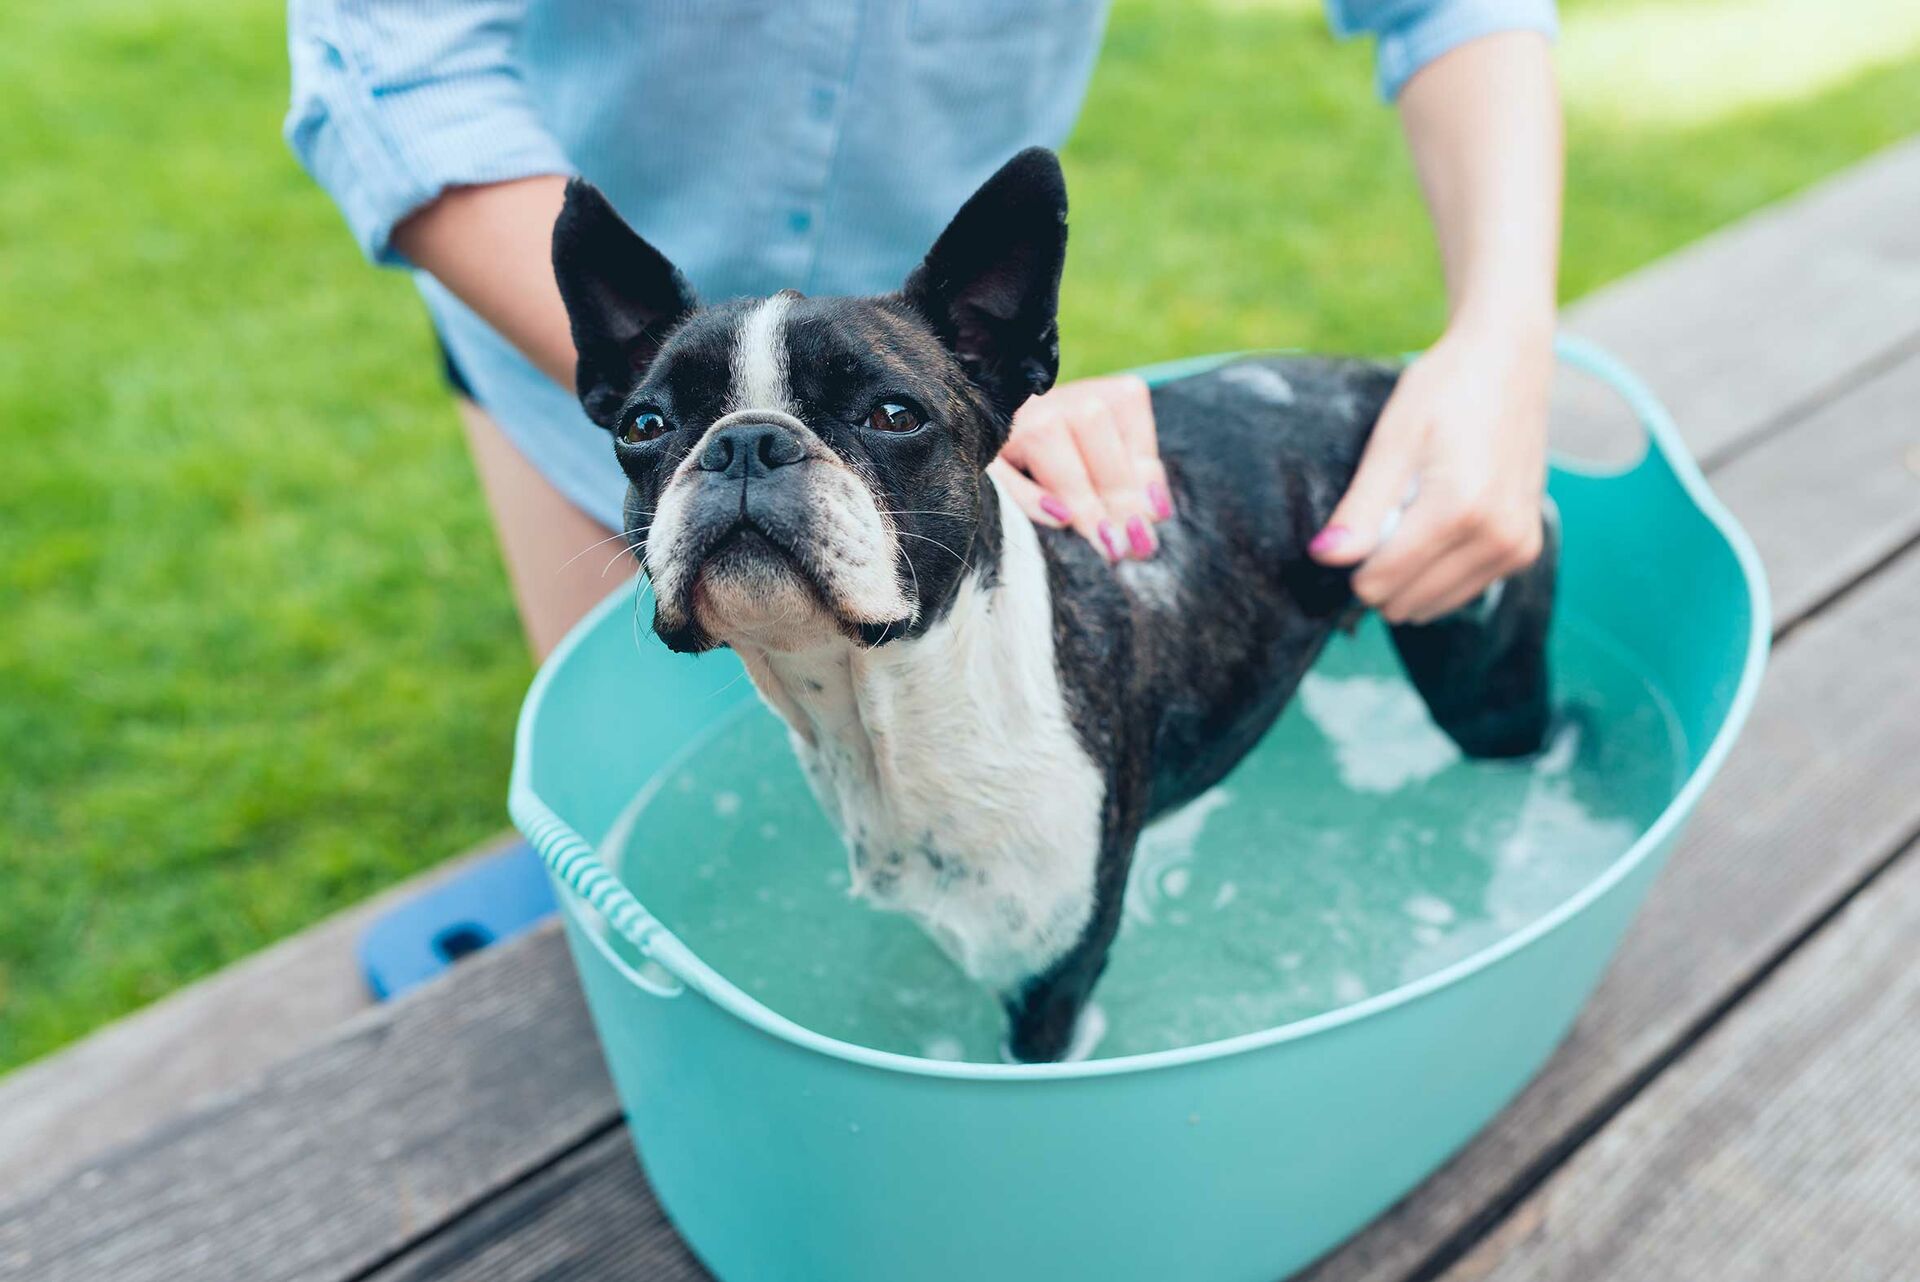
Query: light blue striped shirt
{"x": 761, "y": 144}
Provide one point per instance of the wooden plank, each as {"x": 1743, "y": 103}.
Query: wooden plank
{"x": 1822, "y": 787}
{"x": 591, "y": 1215}
{"x": 211, "y": 1036}
{"x": 1835, "y": 494}
{"x": 332, "y": 1161}
{"x": 1773, "y": 313}
{"x": 1783, "y": 1146}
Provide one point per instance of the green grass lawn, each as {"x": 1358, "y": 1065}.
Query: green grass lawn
{"x": 257, "y": 657}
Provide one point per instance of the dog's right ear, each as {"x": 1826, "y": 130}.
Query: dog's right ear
{"x": 622, "y": 297}
{"x": 990, "y": 286}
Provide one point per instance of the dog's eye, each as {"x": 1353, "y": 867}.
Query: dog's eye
{"x": 643, "y": 427}
{"x": 891, "y": 416}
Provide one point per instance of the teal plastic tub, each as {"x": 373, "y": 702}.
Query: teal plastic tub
{"x": 786, "y": 1156}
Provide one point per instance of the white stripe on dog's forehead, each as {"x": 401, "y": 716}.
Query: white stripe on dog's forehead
{"x": 760, "y": 359}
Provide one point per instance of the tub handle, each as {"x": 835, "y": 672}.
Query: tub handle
{"x": 1667, "y": 456}
{"x": 573, "y": 862}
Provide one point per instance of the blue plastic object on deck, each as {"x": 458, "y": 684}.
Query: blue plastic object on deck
{"x": 499, "y": 896}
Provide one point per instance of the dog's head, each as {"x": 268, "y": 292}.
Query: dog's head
{"x": 799, "y": 468}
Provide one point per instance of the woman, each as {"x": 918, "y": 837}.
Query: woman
{"x": 821, "y": 145}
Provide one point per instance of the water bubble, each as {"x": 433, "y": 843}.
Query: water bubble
{"x": 1383, "y": 740}
{"x": 1429, "y": 909}
{"x": 943, "y": 1046}
{"x": 726, "y": 804}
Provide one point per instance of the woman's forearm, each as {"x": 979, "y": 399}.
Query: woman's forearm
{"x": 1483, "y": 123}
{"x": 491, "y": 246}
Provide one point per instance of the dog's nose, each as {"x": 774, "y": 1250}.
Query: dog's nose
{"x": 750, "y": 449}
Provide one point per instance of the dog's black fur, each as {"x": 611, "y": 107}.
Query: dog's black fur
{"x": 1171, "y": 670}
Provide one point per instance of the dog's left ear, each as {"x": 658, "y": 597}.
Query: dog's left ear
{"x": 991, "y": 284}
{"x": 622, "y": 297}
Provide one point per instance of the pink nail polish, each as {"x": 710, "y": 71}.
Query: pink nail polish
{"x": 1107, "y": 541}
{"x": 1157, "y": 499}
{"x": 1329, "y": 539}
{"x": 1054, "y": 508}
{"x": 1139, "y": 537}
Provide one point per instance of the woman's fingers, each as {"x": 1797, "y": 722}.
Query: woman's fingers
{"x": 1379, "y": 488}
{"x": 1132, "y": 403}
{"x": 1442, "y": 587}
{"x": 1425, "y": 535}
{"x": 1453, "y": 551}
{"x": 1096, "y": 429}
{"x": 1041, "y": 507}
{"x": 1044, "y": 448}
{"x": 1091, "y": 445}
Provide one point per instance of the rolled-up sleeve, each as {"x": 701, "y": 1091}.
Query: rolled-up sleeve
{"x": 395, "y": 101}
{"x": 1409, "y": 34}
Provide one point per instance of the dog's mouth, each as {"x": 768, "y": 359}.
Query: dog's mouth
{"x": 747, "y": 583}
{"x": 745, "y": 551}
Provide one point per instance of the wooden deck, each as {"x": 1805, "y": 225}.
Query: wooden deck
{"x": 1741, "y": 1099}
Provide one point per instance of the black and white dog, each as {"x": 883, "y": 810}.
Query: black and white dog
{"x": 988, "y": 711}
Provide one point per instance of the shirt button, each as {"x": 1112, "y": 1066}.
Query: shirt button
{"x": 822, "y": 103}
{"x": 799, "y": 220}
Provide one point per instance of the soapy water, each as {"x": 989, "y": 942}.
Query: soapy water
{"x": 1353, "y": 850}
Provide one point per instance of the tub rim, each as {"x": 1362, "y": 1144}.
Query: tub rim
{"x": 585, "y": 881}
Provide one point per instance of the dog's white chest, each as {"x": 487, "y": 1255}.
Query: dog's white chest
{"x": 950, "y": 767}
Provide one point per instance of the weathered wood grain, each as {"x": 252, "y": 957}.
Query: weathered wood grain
{"x": 1835, "y": 494}
{"x": 1785, "y": 1146}
{"x": 332, "y": 1160}
{"x": 1754, "y": 323}
{"x": 591, "y": 1216}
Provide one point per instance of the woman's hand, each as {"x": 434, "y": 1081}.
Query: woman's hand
{"x": 1465, "y": 433}
{"x": 1084, "y": 457}
{"x": 1468, "y": 422}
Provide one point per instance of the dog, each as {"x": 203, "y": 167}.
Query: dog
{"x": 987, "y": 710}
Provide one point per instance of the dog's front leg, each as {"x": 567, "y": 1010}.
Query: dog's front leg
{"x": 1044, "y": 1012}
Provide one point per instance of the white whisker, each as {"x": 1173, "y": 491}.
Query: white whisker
{"x": 636, "y": 615}
{"x": 591, "y": 546}
{"x": 623, "y": 552}
{"x": 937, "y": 543}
